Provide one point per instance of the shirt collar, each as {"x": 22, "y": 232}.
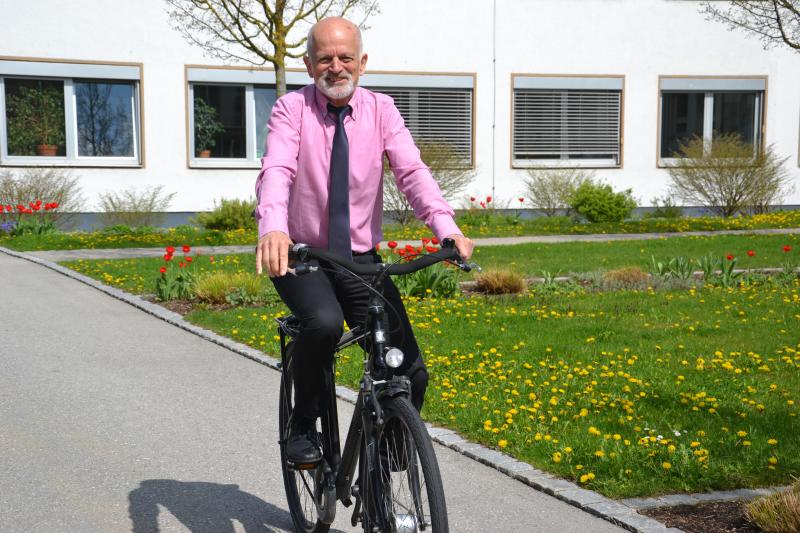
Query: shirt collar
{"x": 322, "y": 102}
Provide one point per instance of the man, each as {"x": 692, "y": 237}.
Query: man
{"x": 321, "y": 184}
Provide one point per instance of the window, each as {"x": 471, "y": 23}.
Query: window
{"x": 706, "y": 107}
{"x": 69, "y": 113}
{"x": 437, "y": 109}
{"x": 228, "y": 114}
{"x": 566, "y": 121}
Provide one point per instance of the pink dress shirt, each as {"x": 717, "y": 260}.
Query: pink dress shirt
{"x": 292, "y": 187}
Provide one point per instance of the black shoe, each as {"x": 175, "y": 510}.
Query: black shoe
{"x": 302, "y": 444}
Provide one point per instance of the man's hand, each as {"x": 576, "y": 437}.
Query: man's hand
{"x": 272, "y": 252}
{"x": 463, "y": 245}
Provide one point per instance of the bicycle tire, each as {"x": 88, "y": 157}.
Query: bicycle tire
{"x": 303, "y": 505}
{"x": 405, "y": 453}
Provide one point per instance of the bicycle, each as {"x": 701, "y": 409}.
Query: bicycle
{"x": 398, "y": 488}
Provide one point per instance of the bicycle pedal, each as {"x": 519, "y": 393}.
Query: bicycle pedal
{"x": 302, "y": 466}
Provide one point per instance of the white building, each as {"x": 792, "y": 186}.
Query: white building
{"x": 606, "y": 84}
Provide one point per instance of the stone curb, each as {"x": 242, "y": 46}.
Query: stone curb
{"x": 702, "y": 497}
{"x": 622, "y": 513}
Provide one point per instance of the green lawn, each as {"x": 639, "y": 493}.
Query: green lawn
{"x": 138, "y": 275}
{"x": 629, "y": 393}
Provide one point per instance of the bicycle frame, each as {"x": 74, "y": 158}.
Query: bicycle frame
{"x": 374, "y": 339}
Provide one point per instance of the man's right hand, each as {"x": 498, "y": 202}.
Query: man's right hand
{"x": 272, "y": 252}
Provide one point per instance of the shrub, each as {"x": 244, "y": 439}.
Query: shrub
{"x": 500, "y": 282}
{"x": 550, "y": 190}
{"x": 47, "y": 184}
{"x": 227, "y": 287}
{"x": 727, "y": 177}
{"x": 777, "y": 513}
{"x": 667, "y": 209}
{"x": 599, "y": 203}
{"x": 631, "y": 277}
{"x": 452, "y": 173}
{"x": 229, "y": 215}
{"x": 437, "y": 281}
{"x": 134, "y": 208}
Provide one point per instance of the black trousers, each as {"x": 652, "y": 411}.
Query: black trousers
{"x": 323, "y": 301}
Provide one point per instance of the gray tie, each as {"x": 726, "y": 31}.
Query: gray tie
{"x": 338, "y": 196}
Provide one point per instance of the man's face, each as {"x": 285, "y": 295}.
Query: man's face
{"x": 334, "y": 61}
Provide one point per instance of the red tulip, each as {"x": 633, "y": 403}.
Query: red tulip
{"x": 181, "y": 264}
{"x": 189, "y": 259}
{"x": 431, "y": 249}
{"x": 751, "y": 253}
{"x": 186, "y": 249}
{"x": 425, "y": 241}
{"x": 471, "y": 198}
{"x": 392, "y": 244}
{"x": 55, "y": 205}
{"x": 483, "y": 205}
{"x": 211, "y": 258}
{"x": 20, "y": 207}
{"x": 170, "y": 250}
{"x": 9, "y": 208}
{"x": 378, "y": 247}
{"x": 401, "y": 252}
{"x": 729, "y": 257}
{"x": 521, "y": 199}
{"x": 488, "y": 199}
{"x": 162, "y": 269}
{"x": 409, "y": 248}
{"x": 787, "y": 248}
{"x": 167, "y": 257}
{"x": 434, "y": 240}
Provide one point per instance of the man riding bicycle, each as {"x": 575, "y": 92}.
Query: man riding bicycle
{"x": 321, "y": 184}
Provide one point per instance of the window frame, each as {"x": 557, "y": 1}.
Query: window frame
{"x": 708, "y": 86}
{"x": 69, "y": 72}
{"x": 232, "y": 76}
{"x": 565, "y": 82}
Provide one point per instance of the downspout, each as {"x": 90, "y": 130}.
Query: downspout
{"x": 494, "y": 92}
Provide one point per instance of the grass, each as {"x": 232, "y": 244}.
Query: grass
{"x": 138, "y": 275}
{"x": 474, "y": 224}
{"x": 631, "y": 393}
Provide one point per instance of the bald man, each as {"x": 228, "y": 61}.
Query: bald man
{"x": 321, "y": 183}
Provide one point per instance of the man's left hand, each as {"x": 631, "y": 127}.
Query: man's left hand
{"x": 463, "y": 245}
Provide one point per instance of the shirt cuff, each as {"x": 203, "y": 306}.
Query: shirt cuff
{"x": 265, "y": 226}
{"x": 444, "y": 226}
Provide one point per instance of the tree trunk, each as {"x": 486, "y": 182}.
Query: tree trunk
{"x": 280, "y": 76}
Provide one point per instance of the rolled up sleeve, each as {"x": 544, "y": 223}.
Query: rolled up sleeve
{"x": 414, "y": 178}
{"x": 278, "y": 169}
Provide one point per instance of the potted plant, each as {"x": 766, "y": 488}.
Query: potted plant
{"x": 36, "y": 121}
{"x": 206, "y": 127}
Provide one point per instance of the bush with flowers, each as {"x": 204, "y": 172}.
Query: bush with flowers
{"x": 36, "y": 218}
{"x": 437, "y": 281}
{"x": 177, "y": 276}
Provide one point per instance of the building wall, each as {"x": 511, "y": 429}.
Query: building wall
{"x": 639, "y": 39}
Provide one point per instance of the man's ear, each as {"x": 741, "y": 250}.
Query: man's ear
{"x": 307, "y": 61}
{"x": 363, "y": 65}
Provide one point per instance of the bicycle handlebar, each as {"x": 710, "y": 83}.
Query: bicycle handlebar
{"x": 448, "y": 252}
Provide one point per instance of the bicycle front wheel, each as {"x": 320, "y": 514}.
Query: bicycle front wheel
{"x": 407, "y": 471}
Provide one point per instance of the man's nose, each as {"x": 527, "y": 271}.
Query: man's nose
{"x": 336, "y": 65}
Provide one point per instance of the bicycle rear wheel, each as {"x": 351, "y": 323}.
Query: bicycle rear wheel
{"x": 309, "y": 502}
{"x": 408, "y": 473}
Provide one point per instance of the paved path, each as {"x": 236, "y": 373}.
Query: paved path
{"x": 112, "y": 420}
{"x": 128, "y": 253}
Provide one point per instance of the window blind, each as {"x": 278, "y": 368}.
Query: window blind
{"x": 437, "y": 116}
{"x": 566, "y": 124}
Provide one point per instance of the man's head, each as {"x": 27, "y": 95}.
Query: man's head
{"x": 334, "y": 58}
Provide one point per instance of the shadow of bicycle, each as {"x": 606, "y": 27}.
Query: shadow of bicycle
{"x": 203, "y": 508}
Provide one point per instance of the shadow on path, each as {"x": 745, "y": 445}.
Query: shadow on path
{"x": 203, "y": 507}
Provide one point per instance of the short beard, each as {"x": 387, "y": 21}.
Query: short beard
{"x": 333, "y": 92}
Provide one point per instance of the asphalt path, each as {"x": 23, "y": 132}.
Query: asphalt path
{"x": 112, "y": 420}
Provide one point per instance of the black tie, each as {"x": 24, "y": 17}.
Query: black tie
{"x": 339, "y": 198}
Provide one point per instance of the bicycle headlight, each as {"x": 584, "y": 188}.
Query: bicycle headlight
{"x": 394, "y": 357}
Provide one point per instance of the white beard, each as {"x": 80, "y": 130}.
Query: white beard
{"x": 336, "y": 92}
